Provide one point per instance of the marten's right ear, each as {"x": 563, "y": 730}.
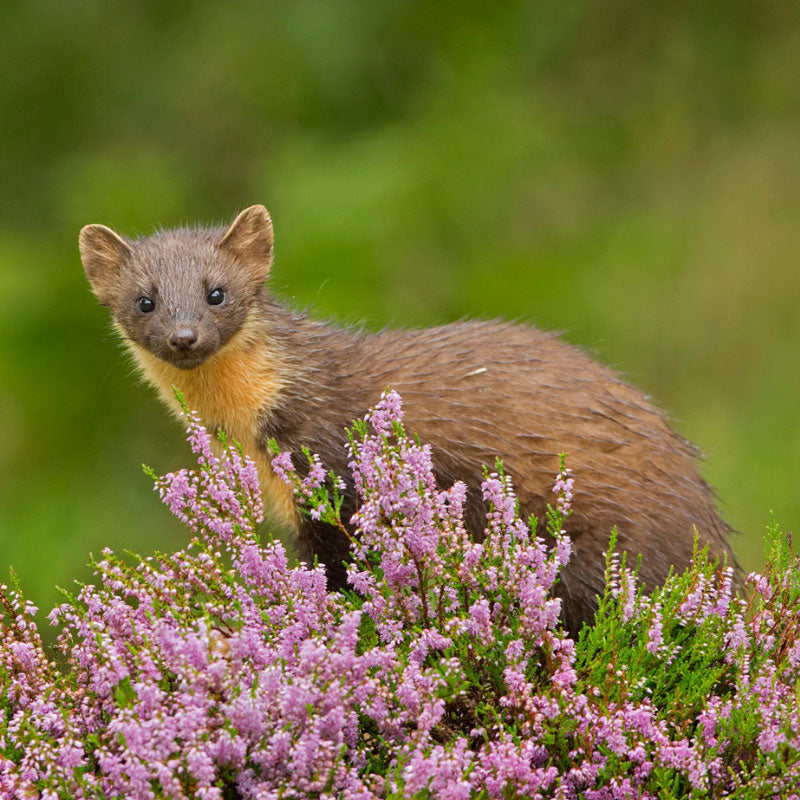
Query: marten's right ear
{"x": 250, "y": 239}
{"x": 103, "y": 254}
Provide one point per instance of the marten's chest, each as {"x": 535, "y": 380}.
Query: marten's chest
{"x": 230, "y": 391}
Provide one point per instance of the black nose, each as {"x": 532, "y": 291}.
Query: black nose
{"x": 182, "y": 339}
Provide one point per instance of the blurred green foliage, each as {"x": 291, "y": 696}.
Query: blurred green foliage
{"x": 624, "y": 172}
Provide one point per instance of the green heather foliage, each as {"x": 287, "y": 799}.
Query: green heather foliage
{"x": 223, "y": 671}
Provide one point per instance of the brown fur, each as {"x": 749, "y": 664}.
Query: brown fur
{"x": 474, "y": 390}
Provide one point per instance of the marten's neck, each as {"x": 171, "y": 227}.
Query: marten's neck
{"x": 266, "y": 381}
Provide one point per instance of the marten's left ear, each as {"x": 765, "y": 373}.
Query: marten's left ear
{"x": 250, "y": 239}
{"x": 103, "y": 254}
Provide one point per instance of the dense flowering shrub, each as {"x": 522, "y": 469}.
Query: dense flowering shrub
{"x": 224, "y": 671}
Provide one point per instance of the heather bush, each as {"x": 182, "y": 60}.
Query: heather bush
{"x": 226, "y": 671}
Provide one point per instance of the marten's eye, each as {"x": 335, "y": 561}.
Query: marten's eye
{"x": 145, "y": 305}
{"x": 215, "y": 297}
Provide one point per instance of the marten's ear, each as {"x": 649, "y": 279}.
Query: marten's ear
{"x": 250, "y": 239}
{"x": 103, "y": 254}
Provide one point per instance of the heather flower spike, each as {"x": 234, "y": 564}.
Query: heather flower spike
{"x": 223, "y": 496}
{"x": 226, "y": 671}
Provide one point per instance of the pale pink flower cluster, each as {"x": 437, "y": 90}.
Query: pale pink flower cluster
{"x": 564, "y": 488}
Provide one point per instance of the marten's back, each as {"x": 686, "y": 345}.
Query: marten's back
{"x": 479, "y": 390}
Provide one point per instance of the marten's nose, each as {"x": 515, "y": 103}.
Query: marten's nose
{"x": 182, "y": 339}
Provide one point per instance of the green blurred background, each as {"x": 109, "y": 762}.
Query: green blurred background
{"x": 624, "y": 172}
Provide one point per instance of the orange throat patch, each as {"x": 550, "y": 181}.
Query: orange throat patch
{"x": 231, "y": 390}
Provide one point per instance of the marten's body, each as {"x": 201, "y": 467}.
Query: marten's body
{"x": 474, "y": 390}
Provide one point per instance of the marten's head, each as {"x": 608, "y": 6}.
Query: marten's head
{"x": 181, "y": 294}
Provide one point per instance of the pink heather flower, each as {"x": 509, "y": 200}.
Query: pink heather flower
{"x": 282, "y": 464}
{"x": 388, "y": 411}
{"x": 222, "y": 496}
{"x": 655, "y": 634}
{"x": 793, "y": 656}
{"x": 761, "y": 584}
{"x": 564, "y": 488}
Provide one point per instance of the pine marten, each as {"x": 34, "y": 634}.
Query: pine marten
{"x": 193, "y": 308}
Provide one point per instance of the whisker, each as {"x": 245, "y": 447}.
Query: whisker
{"x": 108, "y": 372}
